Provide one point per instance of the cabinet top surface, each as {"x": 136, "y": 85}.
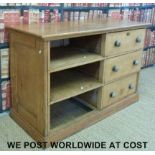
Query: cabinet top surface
{"x": 60, "y": 30}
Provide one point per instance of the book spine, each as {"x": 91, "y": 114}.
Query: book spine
{"x": 4, "y": 60}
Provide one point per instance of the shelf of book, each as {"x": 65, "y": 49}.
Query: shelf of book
{"x": 146, "y": 48}
{"x": 4, "y": 45}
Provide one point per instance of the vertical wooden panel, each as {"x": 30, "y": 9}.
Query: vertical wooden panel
{"x": 47, "y": 60}
{"x": 42, "y": 112}
{"x": 13, "y": 71}
{"x": 29, "y": 80}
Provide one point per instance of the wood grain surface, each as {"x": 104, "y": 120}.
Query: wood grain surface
{"x": 54, "y": 31}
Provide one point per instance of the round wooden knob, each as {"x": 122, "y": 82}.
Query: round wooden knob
{"x": 117, "y": 43}
{"x": 113, "y": 94}
{"x": 40, "y": 51}
{"x": 138, "y": 40}
{"x": 135, "y": 62}
{"x": 81, "y": 87}
{"x": 115, "y": 69}
{"x": 131, "y": 86}
{"x": 128, "y": 33}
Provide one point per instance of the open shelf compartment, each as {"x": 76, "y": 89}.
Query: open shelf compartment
{"x": 73, "y": 109}
{"x": 74, "y": 52}
{"x": 72, "y": 82}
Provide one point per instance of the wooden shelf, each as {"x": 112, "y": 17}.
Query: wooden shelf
{"x": 69, "y": 57}
{"x": 66, "y": 84}
{"x": 66, "y": 112}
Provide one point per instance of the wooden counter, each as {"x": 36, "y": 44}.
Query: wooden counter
{"x": 67, "y": 76}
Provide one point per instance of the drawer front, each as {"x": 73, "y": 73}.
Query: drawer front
{"x": 121, "y": 42}
{"x": 117, "y": 90}
{"x": 117, "y": 67}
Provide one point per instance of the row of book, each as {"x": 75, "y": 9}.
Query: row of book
{"x": 29, "y": 4}
{"x": 13, "y": 17}
{"x": 144, "y": 15}
{"x": 148, "y": 57}
{"x": 36, "y": 15}
{"x": 85, "y": 4}
{"x": 129, "y": 4}
{"x": 41, "y": 16}
{"x": 5, "y": 89}
{"x": 149, "y": 38}
{"x": 7, "y": 17}
{"x": 4, "y": 63}
{"x": 5, "y": 96}
{"x": 83, "y": 15}
{"x": 77, "y": 4}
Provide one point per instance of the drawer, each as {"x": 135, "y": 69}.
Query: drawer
{"x": 117, "y": 67}
{"x": 119, "y": 89}
{"x": 121, "y": 42}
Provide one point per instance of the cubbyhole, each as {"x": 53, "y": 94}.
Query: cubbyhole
{"x": 69, "y": 53}
{"x": 72, "y": 82}
{"x": 70, "y": 110}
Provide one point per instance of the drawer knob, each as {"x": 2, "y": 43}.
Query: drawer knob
{"x": 138, "y": 40}
{"x": 135, "y": 62}
{"x": 128, "y": 33}
{"x": 81, "y": 87}
{"x": 117, "y": 43}
{"x": 115, "y": 69}
{"x": 131, "y": 86}
{"x": 40, "y": 51}
{"x": 113, "y": 94}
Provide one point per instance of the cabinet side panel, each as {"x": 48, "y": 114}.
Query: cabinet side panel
{"x": 13, "y": 71}
{"x": 28, "y": 80}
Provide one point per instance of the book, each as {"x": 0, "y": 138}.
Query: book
{"x": 31, "y": 16}
{"x": 4, "y": 63}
